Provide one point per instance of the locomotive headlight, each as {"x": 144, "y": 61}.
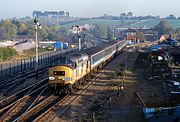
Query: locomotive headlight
{"x": 59, "y": 78}
{"x": 51, "y": 78}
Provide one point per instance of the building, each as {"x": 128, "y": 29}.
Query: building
{"x": 150, "y": 34}
{"x": 24, "y": 45}
{"x": 131, "y": 35}
{"x": 167, "y": 39}
{"x": 151, "y": 37}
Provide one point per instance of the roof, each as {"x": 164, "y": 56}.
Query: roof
{"x": 23, "y": 42}
{"x": 130, "y": 30}
{"x": 158, "y": 47}
{"x": 171, "y": 40}
{"x": 75, "y": 55}
{"x": 98, "y": 48}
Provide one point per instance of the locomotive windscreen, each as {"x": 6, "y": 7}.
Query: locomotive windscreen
{"x": 61, "y": 73}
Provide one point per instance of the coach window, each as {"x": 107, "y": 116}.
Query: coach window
{"x": 77, "y": 72}
{"x": 82, "y": 68}
{"x": 87, "y": 65}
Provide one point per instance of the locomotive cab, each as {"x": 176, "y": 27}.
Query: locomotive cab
{"x": 61, "y": 75}
{"x": 66, "y": 71}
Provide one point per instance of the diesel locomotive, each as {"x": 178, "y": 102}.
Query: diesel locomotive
{"x": 67, "y": 70}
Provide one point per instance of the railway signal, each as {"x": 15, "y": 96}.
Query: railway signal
{"x": 78, "y": 29}
{"x": 37, "y": 25}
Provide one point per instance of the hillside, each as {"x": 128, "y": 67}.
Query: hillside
{"x": 129, "y": 23}
{"x": 99, "y": 21}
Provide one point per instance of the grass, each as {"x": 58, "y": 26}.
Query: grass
{"x": 98, "y": 21}
{"x": 152, "y": 23}
{"x": 134, "y": 23}
{"x": 145, "y": 23}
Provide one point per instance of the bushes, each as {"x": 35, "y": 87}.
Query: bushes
{"x": 6, "y": 53}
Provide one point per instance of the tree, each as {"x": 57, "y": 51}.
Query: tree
{"x": 6, "y": 53}
{"x": 22, "y": 29}
{"x": 140, "y": 36}
{"x": 130, "y": 14}
{"x": 8, "y": 30}
{"x": 54, "y": 36}
{"x": 122, "y": 15}
{"x": 44, "y": 32}
{"x": 61, "y": 13}
{"x": 171, "y": 16}
{"x": 163, "y": 27}
{"x": 55, "y": 28}
{"x": 100, "y": 31}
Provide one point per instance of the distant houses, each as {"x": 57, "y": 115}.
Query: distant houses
{"x": 146, "y": 34}
{"x": 50, "y": 14}
{"x": 149, "y": 35}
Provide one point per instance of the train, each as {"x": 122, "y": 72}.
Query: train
{"x": 72, "y": 67}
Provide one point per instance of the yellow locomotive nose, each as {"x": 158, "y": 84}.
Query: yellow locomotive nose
{"x": 60, "y": 75}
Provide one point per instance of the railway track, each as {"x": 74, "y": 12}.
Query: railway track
{"x": 23, "y": 104}
{"x": 143, "y": 44}
{"x": 26, "y": 98}
{"x": 63, "y": 104}
{"x": 40, "y": 109}
{"x": 21, "y": 93}
{"x": 12, "y": 86}
{"x": 8, "y": 85}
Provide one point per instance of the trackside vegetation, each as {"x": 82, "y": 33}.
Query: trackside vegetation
{"x": 7, "y": 53}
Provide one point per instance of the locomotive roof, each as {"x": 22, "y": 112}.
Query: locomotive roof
{"x": 99, "y": 47}
{"x": 75, "y": 55}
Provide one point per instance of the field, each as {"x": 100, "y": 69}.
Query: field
{"x": 150, "y": 23}
{"x": 99, "y": 21}
{"x": 145, "y": 23}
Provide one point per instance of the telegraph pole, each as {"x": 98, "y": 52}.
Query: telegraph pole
{"x": 36, "y": 49}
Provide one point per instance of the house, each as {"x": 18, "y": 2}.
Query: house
{"x": 151, "y": 37}
{"x": 131, "y": 35}
{"x": 149, "y": 34}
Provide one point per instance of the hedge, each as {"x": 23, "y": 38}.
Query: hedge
{"x": 6, "y": 53}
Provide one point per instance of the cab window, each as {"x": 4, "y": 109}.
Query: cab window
{"x": 60, "y": 73}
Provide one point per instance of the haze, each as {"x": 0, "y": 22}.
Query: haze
{"x": 90, "y": 8}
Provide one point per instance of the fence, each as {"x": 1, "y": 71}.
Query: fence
{"x": 24, "y": 65}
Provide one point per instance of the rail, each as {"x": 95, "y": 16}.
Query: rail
{"x": 18, "y": 105}
{"x": 64, "y": 103}
{"x": 20, "y": 93}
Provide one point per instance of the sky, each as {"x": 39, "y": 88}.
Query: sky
{"x": 90, "y": 8}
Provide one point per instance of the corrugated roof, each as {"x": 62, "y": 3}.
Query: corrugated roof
{"x": 75, "y": 55}
{"x": 99, "y": 47}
